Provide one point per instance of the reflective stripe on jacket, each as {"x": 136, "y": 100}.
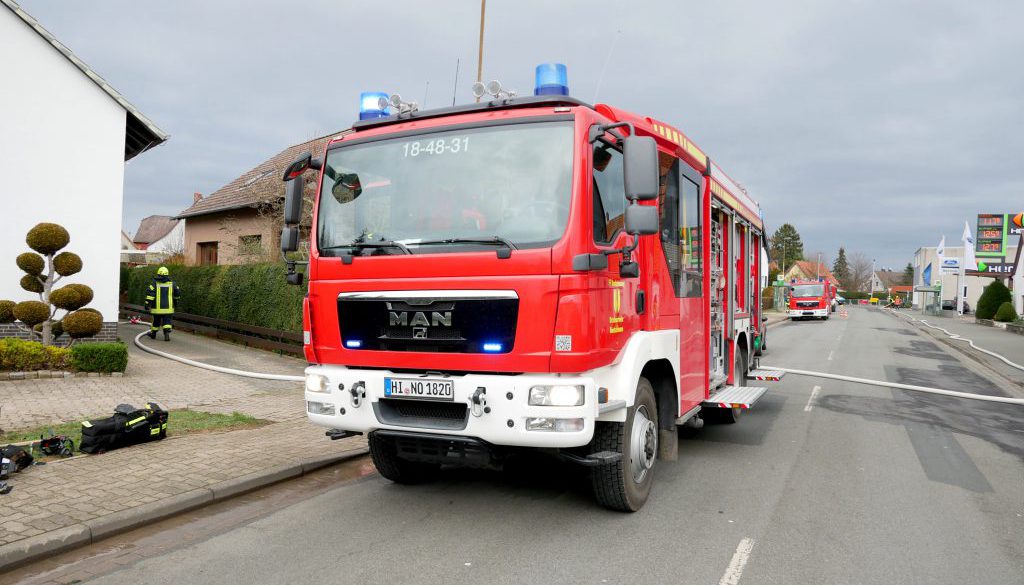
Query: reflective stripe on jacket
{"x": 160, "y": 297}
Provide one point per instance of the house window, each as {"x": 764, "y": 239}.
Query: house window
{"x": 250, "y": 245}
{"x": 206, "y": 253}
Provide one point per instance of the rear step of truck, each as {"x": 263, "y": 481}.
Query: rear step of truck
{"x": 767, "y": 375}
{"x": 734, "y": 397}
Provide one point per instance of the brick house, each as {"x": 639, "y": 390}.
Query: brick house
{"x": 804, "y": 270}
{"x": 241, "y": 222}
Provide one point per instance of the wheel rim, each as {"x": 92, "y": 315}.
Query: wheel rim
{"x": 643, "y": 444}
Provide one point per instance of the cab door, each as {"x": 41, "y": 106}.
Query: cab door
{"x": 693, "y": 342}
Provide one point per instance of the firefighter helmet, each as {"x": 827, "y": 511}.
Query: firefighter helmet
{"x": 162, "y": 271}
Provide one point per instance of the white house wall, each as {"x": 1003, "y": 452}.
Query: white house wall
{"x": 172, "y": 243}
{"x": 62, "y": 145}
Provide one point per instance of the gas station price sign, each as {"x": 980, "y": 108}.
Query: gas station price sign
{"x": 991, "y": 234}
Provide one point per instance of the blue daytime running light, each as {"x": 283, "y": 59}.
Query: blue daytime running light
{"x": 492, "y": 347}
{"x": 552, "y": 79}
{"x": 353, "y": 343}
{"x": 369, "y": 106}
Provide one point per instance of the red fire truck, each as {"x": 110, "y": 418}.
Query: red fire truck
{"x": 811, "y": 298}
{"x": 525, "y": 273}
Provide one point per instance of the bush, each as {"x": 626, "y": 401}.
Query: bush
{"x": 31, "y": 263}
{"x": 78, "y": 324}
{"x": 992, "y": 298}
{"x": 254, "y": 294}
{"x": 67, "y": 263}
{"x": 31, "y": 313}
{"x": 66, "y": 297}
{"x": 7, "y": 311}
{"x": 99, "y": 357}
{"x": 47, "y": 238}
{"x": 26, "y": 356}
{"x": 1006, "y": 314}
{"x": 31, "y": 284}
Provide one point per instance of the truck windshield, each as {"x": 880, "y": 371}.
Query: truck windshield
{"x": 808, "y": 290}
{"x": 448, "y": 191}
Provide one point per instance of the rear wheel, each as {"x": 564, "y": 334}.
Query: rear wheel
{"x": 391, "y": 466}
{"x": 625, "y": 485}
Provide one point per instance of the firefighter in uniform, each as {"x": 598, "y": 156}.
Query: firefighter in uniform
{"x": 160, "y": 300}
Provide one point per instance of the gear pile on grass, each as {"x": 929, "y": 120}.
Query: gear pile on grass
{"x": 43, "y": 269}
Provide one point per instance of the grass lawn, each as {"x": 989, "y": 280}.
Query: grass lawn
{"x": 179, "y": 422}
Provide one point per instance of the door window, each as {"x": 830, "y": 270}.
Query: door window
{"x": 690, "y": 233}
{"x": 609, "y": 195}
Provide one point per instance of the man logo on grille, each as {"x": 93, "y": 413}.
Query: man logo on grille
{"x": 419, "y": 318}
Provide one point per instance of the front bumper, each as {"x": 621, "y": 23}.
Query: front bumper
{"x": 506, "y": 399}
{"x": 808, "y": 312}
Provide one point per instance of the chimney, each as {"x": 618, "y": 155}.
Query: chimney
{"x": 196, "y": 197}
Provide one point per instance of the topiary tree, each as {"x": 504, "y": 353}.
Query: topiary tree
{"x": 1005, "y": 313}
{"x": 991, "y": 299}
{"x": 43, "y": 269}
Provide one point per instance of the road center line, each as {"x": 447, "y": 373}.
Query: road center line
{"x": 739, "y": 560}
{"x": 812, "y": 399}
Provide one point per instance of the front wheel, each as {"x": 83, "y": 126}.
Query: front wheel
{"x": 625, "y": 484}
{"x": 391, "y": 466}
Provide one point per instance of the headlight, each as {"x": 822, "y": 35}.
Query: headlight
{"x": 316, "y": 383}
{"x": 557, "y": 395}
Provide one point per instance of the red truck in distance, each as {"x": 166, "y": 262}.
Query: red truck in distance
{"x": 811, "y": 298}
{"x": 525, "y": 273}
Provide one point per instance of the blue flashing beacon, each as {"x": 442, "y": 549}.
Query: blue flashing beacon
{"x": 369, "y": 105}
{"x": 552, "y": 79}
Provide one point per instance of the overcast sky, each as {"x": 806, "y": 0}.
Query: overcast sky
{"x": 878, "y": 125}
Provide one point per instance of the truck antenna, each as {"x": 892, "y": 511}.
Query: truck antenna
{"x": 604, "y": 67}
{"x": 455, "y": 88}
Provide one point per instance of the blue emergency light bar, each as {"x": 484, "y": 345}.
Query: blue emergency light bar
{"x": 369, "y": 105}
{"x": 492, "y": 347}
{"x": 353, "y": 343}
{"x": 552, "y": 79}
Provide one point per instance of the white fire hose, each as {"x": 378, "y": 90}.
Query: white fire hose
{"x": 259, "y": 375}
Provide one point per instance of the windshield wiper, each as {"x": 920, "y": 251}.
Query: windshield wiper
{"x": 374, "y": 244}
{"x": 492, "y": 240}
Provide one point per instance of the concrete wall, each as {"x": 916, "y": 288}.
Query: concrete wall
{"x": 226, "y": 228}
{"x": 61, "y": 159}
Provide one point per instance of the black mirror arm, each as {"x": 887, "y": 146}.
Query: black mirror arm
{"x": 597, "y": 132}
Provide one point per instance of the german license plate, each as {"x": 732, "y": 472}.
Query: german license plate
{"x": 421, "y": 388}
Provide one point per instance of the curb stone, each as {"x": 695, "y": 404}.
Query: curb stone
{"x": 48, "y": 374}
{"x": 63, "y": 539}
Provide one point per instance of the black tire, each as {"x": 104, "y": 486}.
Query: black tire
{"x": 728, "y": 416}
{"x": 391, "y": 466}
{"x": 616, "y": 486}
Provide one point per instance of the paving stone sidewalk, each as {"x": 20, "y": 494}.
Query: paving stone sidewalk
{"x": 90, "y": 495}
{"x": 30, "y": 403}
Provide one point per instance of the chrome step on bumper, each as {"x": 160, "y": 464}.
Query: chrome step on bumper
{"x": 735, "y": 397}
{"x": 767, "y": 375}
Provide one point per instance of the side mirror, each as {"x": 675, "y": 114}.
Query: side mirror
{"x": 289, "y": 238}
{"x": 640, "y": 168}
{"x": 298, "y": 166}
{"x": 641, "y": 220}
{"x": 293, "y": 193}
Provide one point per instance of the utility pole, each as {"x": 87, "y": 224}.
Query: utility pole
{"x": 480, "y": 48}
{"x": 872, "y": 277}
{"x": 817, "y": 269}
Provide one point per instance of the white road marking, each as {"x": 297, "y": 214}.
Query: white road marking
{"x": 812, "y": 399}
{"x": 830, "y": 355}
{"x": 739, "y": 560}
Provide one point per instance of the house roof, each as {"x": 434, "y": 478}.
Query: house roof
{"x": 154, "y": 227}
{"x": 809, "y": 270}
{"x": 890, "y": 278}
{"x": 141, "y": 133}
{"x": 257, "y": 185}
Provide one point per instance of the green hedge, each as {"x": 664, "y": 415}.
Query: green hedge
{"x": 993, "y": 297}
{"x": 99, "y": 357}
{"x": 1005, "y": 313}
{"x": 20, "y": 355}
{"x": 254, "y": 294}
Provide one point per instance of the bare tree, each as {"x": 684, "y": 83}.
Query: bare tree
{"x": 860, "y": 272}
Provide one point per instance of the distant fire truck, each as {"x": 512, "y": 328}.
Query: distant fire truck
{"x": 811, "y": 298}
{"x": 525, "y": 273}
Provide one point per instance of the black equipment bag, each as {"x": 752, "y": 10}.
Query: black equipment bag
{"x": 128, "y": 426}
{"x": 19, "y": 457}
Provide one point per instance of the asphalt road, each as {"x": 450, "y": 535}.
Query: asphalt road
{"x": 824, "y": 482}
